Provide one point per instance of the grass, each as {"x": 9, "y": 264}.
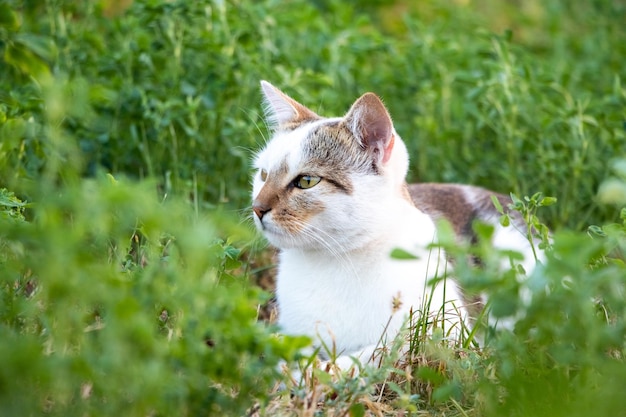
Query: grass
{"x": 128, "y": 279}
{"x": 553, "y": 364}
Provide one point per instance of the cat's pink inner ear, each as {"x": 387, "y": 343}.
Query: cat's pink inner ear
{"x": 370, "y": 122}
{"x": 281, "y": 109}
{"x": 388, "y": 149}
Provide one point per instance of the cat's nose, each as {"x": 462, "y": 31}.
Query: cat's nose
{"x": 260, "y": 210}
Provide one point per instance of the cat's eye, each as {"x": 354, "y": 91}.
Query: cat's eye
{"x": 306, "y": 181}
{"x": 263, "y": 175}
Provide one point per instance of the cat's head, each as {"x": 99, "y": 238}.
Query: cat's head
{"x": 324, "y": 183}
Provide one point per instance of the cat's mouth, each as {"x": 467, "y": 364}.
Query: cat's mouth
{"x": 273, "y": 233}
{"x": 267, "y": 227}
{"x": 270, "y": 230}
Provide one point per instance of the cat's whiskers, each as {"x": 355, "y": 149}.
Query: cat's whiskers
{"x": 250, "y": 115}
{"x": 246, "y": 217}
{"x": 331, "y": 245}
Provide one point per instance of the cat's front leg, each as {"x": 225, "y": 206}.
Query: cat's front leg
{"x": 354, "y": 362}
{"x": 302, "y": 372}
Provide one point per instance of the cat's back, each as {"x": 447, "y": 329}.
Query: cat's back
{"x": 463, "y": 205}
{"x": 460, "y": 204}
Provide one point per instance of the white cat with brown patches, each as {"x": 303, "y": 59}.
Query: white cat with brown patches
{"x": 330, "y": 193}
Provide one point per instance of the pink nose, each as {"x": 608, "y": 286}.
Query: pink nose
{"x": 260, "y": 210}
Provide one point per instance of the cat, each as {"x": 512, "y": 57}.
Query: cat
{"x": 331, "y": 195}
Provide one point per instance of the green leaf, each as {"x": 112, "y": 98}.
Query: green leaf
{"x": 483, "y": 230}
{"x": 515, "y": 199}
{"x": 42, "y": 46}
{"x": 612, "y": 191}
{"x": 8, "y": 198}
{"x": 504, "y": 304}
{"x": 101, "y": 95}
{"x": 496, "y": 204}
{"x": 26, "y": 61}
{"x": 431, "y": 375}
{"x": 449, "y": 390}
{"x": 232, "y": 252}
{"x": 547, "y": 201}
{"x": 402, "y": 254}
{"x": 323, "y": 376}
{"x": 111, "y": 179}
{"x": 619, "y": 167}
{"x": 8, "y": 202}
{"x": 8, "y": 18}
{"x": 395, "y": 388}
{"x": 12, "y": 133}
{"x": 357, "y": 410}
{"x": 231, "y": 264}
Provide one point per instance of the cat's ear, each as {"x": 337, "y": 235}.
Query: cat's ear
{"x": 371, "y": 124}
{"x": 281, "y": 110}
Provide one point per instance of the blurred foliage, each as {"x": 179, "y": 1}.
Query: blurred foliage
{"x": 116, "y": 303}
{"x": 555, "y": 343}
{"x": 519, "y": 96}
{"x": 570, "y": 339}
{"x": 130, "y": 296}
{"x": 11, "y": 208}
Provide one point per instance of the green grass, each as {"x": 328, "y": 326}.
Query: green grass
{"x": 127, "y": 267}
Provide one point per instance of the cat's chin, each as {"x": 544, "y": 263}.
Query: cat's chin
{"x": 276, "y": 237}
{"x": 283, "y": 240}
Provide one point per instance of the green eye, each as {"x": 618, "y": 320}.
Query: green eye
{"x": 306, "y": 181}
{"x": 263, "y": 175}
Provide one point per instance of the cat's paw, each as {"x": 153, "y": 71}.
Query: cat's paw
{"x": 296, "y": 375}
{"x": 309, "y": 374}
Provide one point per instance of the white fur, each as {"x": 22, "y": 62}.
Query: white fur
{"x": 511, "y": 239}
{"x": 507, "y": 238}
{"x": 336, "y": 280}
{"x": 277, "y": 109}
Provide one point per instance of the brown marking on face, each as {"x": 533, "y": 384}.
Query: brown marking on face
{"x": 332, "y": 152}
{"x": 295, "y": 210}
{"x": 290, "y": 206}
{"x": 282, "y": 170}
{"x": 271, "y": 191}
{"x": 295, "y": 124}
{"x": 267, "y": 198}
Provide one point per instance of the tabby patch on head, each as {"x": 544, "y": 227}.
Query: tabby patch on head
{"x": 317, "y": 178}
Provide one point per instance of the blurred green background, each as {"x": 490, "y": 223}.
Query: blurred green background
{"x": 126, "y": 134}
{"x": 517, "y": 96}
